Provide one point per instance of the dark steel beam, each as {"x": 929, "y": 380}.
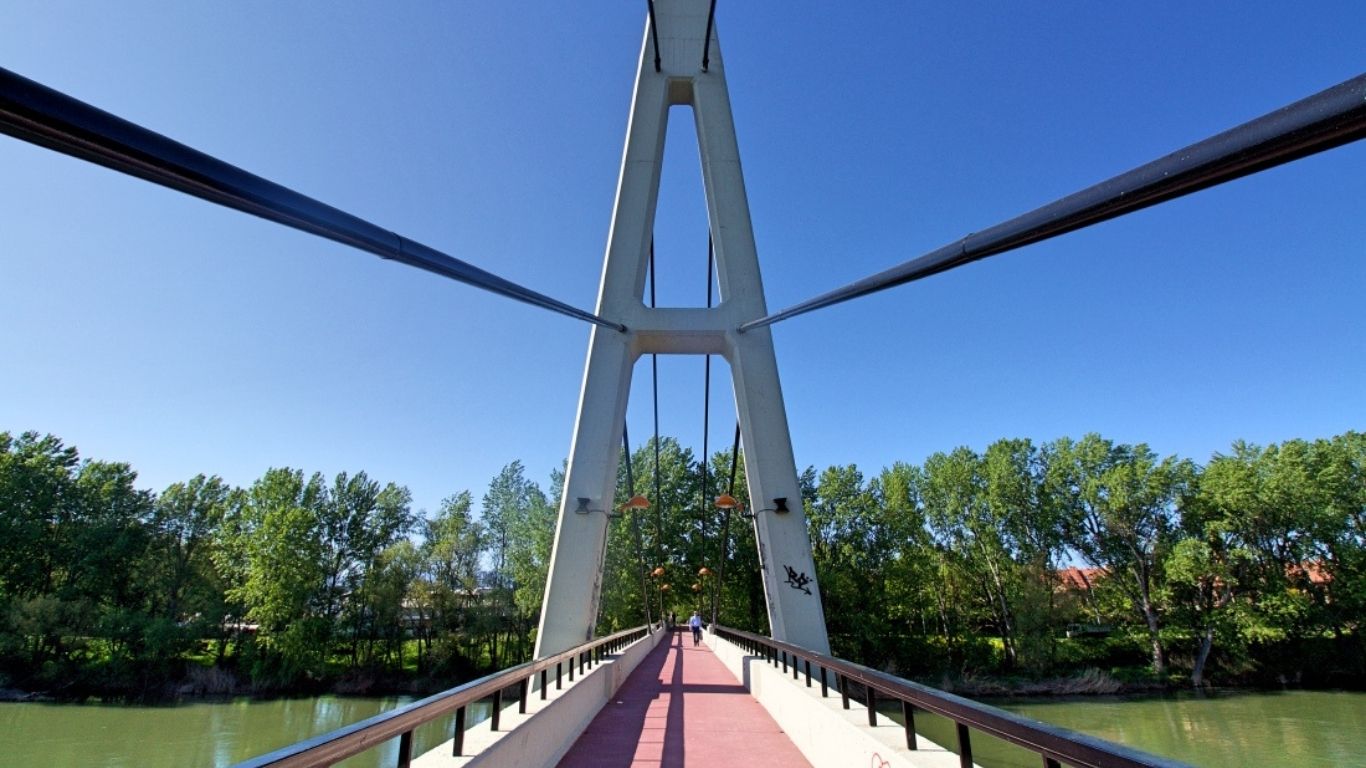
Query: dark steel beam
{"x": 1323, "y": 121}
{"x": 49, "y": 118}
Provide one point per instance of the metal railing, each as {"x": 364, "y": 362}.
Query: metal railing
{"x": 356, "y": 738}
{"x": 1055, "y": 746}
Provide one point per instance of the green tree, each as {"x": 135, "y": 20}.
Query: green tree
{"x": 37, "y": 476}
{"x": 966, "y": 524}
{"x": 272, "y": 547}
{"x": 1030, "y": 525}
{"x": 515, "y": 510}
{"x": 1121, "y": 506}
{"x": 452, "y": 544}
{"x": 382, "y": 605}
{"x": 185, "y": 517}
{"x": 1339, "y": 531}
{"x": 850, "y": 548}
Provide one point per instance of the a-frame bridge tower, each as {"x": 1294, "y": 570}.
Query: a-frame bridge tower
{"x": 672, "y": 72}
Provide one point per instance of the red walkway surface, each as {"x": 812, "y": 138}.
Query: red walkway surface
{"x": 682, "y": 707}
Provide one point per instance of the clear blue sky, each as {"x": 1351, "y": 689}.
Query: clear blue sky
{"x": 146, "y": 326}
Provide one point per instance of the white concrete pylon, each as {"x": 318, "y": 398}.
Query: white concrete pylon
{"x": 573, "y": 588}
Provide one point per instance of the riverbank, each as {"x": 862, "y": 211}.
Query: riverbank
{"x": 1089, "y": 682}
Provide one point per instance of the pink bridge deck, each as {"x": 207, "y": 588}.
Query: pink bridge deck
{"x": 682, "y": 707}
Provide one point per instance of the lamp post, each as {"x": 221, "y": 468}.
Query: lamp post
{"x": 638, "y": 503}
{"x": 728, "y": 503}
{"x": 660, "y": 588}
{"x": 705, "y": 589}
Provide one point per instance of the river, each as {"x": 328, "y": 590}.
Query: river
{"x": 1218, "y": 730}
{"x": 1308, "y": 728}
{"x": 217, "y": 733}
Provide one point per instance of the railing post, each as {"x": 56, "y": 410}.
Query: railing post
{"x": 521, "y": 704}
{"x": 844, "y": 689}
{"x": 571, "y": 669}
{"x": 558, "y": 685}
{"x": 872, "y": 706}
{"x": 405, "y": 749}
{"x": 543, "y": 685}
{"x": 497, "y": 708}
{"x": 458, "y": 737}
{"x": 825, "y": 686}
{"x": 784, "y": 662}
{"x": 964, "y": 746}
{"x": 908, "y": 717}
{"x": 1049, "y": 762}
{"x": 808, "y": 672}
{"x": 794, "y": 666}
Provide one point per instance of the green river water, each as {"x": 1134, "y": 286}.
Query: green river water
{"x": 217, "y": 733}
{"x": 1301, "y": 728}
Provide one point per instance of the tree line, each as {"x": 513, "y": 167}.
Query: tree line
{"x": 1028, "y": 559}
{"x": 1255, "y": 559}
{"x": 295, "y": 580}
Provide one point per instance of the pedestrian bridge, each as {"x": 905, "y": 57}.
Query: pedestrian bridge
{"x": 644, "y": 696}
{"x": 650, "y": 697}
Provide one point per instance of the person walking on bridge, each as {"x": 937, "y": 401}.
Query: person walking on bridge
{"x": 696, "y": 623}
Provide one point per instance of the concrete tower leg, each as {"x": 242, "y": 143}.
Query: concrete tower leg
{"x": 574, "y": 584}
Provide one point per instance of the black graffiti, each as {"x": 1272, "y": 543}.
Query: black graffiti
{"x": 797, "y": 580}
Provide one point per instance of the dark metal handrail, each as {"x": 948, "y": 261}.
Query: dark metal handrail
{"x": 1053, "y": 744}
{"x": 353, "y": 739}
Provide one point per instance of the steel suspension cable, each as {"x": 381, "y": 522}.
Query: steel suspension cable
{"x": 635, "y": 524}
{"x": 705, "y": 508}
{"x": 46, "y": 117}
{"x": 706, "y": 409}
{"x": 654, "y": 385}
{"x": 1328, "y": 119}
{"x": 706, "y": 45}
{"x": 654, "y": 32}
{"x": 725, "y": 528}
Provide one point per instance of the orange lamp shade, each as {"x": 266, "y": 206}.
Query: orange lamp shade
{"x": 657, "y": 572}
{"x": 696, "y": 587}
{"x": 726, "y": 501}
{"x": 704, "y": 571}
{"x": 637, "y": 502}
{"x": 664, "y": 587}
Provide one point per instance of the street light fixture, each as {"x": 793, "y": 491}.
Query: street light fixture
{"x": 635, "y": 504}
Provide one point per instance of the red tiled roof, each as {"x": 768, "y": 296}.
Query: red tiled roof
{"x": 1079, "y": 578}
